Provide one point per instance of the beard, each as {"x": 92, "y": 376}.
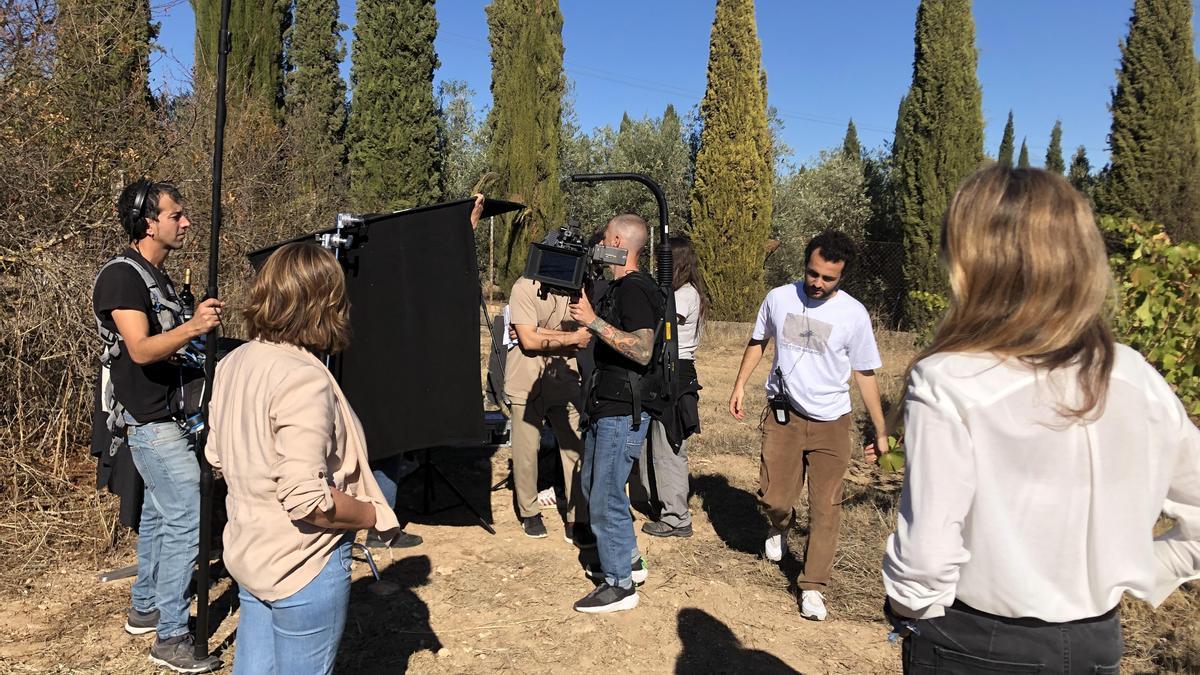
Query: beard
{"x": 817, "y": 293}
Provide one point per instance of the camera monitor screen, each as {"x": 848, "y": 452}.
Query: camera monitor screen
{"x": 556, "y": 267}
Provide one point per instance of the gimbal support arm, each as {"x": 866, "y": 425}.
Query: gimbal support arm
{"x": 666, "y": 262}
{"x": 663, "y": 254}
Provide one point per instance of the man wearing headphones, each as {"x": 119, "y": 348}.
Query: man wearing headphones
{"x": 822, "y": 336}
{"x": 128, "y": 300}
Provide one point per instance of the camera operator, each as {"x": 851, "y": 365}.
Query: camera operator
{"x": 624, "y": 323}
{"x": 129, "y": 297}
{"x": 541, "y": 380}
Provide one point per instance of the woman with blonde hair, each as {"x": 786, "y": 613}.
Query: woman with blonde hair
{"x": 294, "y": 457}
{"x": 1040, "y": 452}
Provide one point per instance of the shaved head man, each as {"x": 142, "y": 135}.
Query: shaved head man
{"x": 624, "y": 321}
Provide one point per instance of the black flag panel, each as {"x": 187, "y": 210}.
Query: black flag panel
{"x": 411, "y": 371}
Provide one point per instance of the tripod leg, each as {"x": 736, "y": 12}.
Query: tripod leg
{"x": 426, "y": 469}
{"x": 506, "y": 482}
{"x": 482, "y": 521}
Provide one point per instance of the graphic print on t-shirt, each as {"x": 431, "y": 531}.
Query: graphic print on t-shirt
{"x": 802, "y": 333}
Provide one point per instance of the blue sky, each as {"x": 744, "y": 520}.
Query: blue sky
{"x": 826, "y": 62}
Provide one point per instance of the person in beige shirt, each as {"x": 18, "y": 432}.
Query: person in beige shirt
{"x": 294, "y": 458}
{"x": 541, "y": 381}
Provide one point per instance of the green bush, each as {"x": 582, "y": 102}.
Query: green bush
{"x": 1158, "y": 301}
{"x": 933, "y": 308}
{"x": 1157, "y": 310}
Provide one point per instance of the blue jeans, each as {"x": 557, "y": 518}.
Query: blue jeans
{"x": 169, "y": 531}
{"x": 387, "y": 474}
{"x": 300, "y": 633}
{"x": 611, "y": 447}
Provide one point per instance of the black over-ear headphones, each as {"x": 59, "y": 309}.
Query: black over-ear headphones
{"x": 139, "y": 200}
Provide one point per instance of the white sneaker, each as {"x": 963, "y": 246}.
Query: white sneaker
{"x": 812, "y": 605}
{"x": 547, "y": 499}
{"x": 773, "y": 546}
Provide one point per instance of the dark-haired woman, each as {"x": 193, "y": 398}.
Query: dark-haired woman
{"x": 295, "y": 460}
{"x": 1040, "y": 452}
{"x": 666, "y": 500}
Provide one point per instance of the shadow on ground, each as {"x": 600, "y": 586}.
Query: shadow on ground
{"x": 737, "y": 520}
{"x": 387, "y": 622}
{"x": 733, "y": 512}
{"x": 710, "y": 647}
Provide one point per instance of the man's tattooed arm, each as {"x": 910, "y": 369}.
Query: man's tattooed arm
{"x": 636, "y": 346}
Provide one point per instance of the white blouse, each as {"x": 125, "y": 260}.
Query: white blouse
{"x": 1018, "y": 512}
{"x": 687, "y": 306}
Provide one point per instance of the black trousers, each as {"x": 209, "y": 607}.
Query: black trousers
{"x": 967, "y": 640}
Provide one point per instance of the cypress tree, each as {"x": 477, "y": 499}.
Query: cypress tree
{"x": 395, "y": 158}
{"x": 1080, "y": 173}
{"x": 255, "y": 62}
{"x": 1154, "y": 170}
{"x": 939, "y": 140}
{"x": 113, "y": 66}
{"x": 1005, "y": 156}
{"x": 731, "y": 196}
{"x": 1023, "y": 158}
{"x": 1054, "y": 156}
{"x": 525, "y": 121}
{"x": 100, "y": 87}
{"x": 315, "y": 100}
{"x": 850, "y": 145}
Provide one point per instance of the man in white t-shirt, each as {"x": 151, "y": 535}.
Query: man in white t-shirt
{"x": 822, "y": 336}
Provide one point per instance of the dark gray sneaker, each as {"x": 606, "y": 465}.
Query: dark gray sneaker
{"x": 657, "y": 528}
{"x": 605, "y": 598}
{"x": 177, "y": 653}
{"x": 402, "y": 540}
{"x": 534, "y": 527}
{"x": 140, "y": 623}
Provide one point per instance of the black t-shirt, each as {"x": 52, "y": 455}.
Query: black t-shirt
{"x": 636, "y": 305}
{"x": 143, "y": 390}
{"x": 586, "y": 357}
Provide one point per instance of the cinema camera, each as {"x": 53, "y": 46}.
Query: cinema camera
{"x": 563, "y": 262}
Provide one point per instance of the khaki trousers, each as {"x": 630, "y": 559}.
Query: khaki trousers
{"x": 527, "y": 439}
{"x": 791, "y": 452}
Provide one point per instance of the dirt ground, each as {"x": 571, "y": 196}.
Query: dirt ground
{"x": 468, "y": 601}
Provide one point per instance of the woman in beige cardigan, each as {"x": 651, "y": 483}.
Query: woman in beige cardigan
{"x": 293, "y": 455}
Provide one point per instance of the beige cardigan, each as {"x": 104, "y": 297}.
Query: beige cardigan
{"x": 282, "y": 432}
